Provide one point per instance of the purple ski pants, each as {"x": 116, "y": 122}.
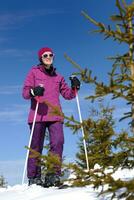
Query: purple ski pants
{"x": 56, "y": 144}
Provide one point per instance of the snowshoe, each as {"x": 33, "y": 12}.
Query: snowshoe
{"x": 36, "y": 181}
{"x": 63, "y": 186}
{"x": 52, "y": 180}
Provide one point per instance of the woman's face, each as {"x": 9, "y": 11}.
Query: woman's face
{"x": 47, "y": 59}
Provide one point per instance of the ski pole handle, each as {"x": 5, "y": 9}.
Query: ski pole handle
{"x": 38, "y": 97}
{"x": 75, "y": 83}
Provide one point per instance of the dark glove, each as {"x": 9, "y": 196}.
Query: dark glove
{"x": 75, "y": 83}
{"x": 37, "y": 91}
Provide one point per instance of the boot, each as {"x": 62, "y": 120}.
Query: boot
{"x": 52, "y": 180}
{"x": 36, "y": 181}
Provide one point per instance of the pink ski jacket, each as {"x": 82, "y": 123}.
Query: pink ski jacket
{"x": 54, "y": 85}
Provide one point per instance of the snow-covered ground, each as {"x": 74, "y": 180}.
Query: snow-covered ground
{"x": 34, "y": 192}
{"x": 23, "y": 192}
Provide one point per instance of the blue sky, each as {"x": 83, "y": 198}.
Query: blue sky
{"x": 25, "y": 27}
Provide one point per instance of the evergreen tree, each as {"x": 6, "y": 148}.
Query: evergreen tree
{"x": 99, "y": 143}
{"x": 3, "y": 183}
{"x": 109, "y": 149}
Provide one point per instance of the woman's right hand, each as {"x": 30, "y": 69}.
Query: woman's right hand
{"x": 37, "y": 91}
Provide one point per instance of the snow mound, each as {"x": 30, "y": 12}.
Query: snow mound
{"x": 24, "y": 192}
{"x": 34, "y": 192}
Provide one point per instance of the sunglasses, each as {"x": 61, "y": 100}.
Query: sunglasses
{"x": 47, "y": 55}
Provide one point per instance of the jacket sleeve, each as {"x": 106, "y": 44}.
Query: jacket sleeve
{"x": 66, "y": 91}
{"x": 28, "y": 84}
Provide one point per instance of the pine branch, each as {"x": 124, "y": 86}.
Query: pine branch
{"x": 73, "y": 63}
{"x": 117, "y": 34}
{"x": 120, "y": 8}
{"x": 89, "y": 18}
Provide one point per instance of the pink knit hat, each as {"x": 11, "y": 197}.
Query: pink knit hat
{"x": 43, "y": 50}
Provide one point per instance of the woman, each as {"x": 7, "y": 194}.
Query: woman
{"x": 43, "y": 81}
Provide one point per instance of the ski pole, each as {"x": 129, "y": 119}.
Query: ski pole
{"x": 82, "y": 129}
{"x": 30, "y": 139}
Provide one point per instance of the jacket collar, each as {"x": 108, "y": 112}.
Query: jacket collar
{"x": 51, "y": 72}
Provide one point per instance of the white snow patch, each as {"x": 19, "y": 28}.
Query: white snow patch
{"x": 24, "y": 192}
